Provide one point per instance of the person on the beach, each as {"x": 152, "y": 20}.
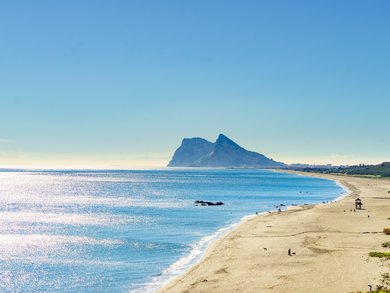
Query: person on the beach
{"x": 289, "y": 251}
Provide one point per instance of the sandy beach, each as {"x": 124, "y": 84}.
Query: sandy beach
{"x": 329, "y": 243}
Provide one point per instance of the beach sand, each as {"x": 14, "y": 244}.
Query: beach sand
{"x": 331, "y": 245}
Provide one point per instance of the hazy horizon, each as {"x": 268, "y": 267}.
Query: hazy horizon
{"x": 146, "y": 162}
{"x": 118, "y": 85}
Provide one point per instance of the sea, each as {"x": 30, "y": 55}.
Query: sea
{"x": 129, "y": 231}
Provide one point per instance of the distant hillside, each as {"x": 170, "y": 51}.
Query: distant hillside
{"x": 382, "y": 170}
{"x": 198, "y": 152}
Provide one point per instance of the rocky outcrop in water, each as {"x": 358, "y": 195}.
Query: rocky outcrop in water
{"x": 208, "y": 203}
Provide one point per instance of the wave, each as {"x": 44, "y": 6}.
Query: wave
{"x": 346, "y": 190}
{"x": 199, "y": 248}
{"x": 187, "y": 261}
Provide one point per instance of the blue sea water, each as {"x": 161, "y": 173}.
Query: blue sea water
{"x": 123, "y": 231}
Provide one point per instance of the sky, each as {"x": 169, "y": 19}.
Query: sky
{"x": 119, "y": 84}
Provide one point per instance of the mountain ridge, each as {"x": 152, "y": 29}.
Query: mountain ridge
{"x": 224, "y": 152}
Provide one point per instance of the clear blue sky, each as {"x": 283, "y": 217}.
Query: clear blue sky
{"x": 118, "y": 84}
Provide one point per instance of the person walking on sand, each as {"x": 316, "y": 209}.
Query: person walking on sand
{"x": 289, "y": 251}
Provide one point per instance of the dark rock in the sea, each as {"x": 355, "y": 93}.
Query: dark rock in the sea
{"x": 198, "y": 152}
{"x": 208, "y": 203}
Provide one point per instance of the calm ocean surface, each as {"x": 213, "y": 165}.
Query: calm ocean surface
{"x": 123, "y": 231}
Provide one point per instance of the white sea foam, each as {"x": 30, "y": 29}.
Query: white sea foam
{"x": 346, "y": 192}
{"x": 65, "y": 203}
{"x": 199, "y": 248}
{"x": 186, "y": 262}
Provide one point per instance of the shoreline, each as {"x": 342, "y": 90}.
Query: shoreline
{"x": 196, "y": 278}
{"x": 156, "y": 285}
{"x": 320, "y": 175}
{"x": 159, "y": 286}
